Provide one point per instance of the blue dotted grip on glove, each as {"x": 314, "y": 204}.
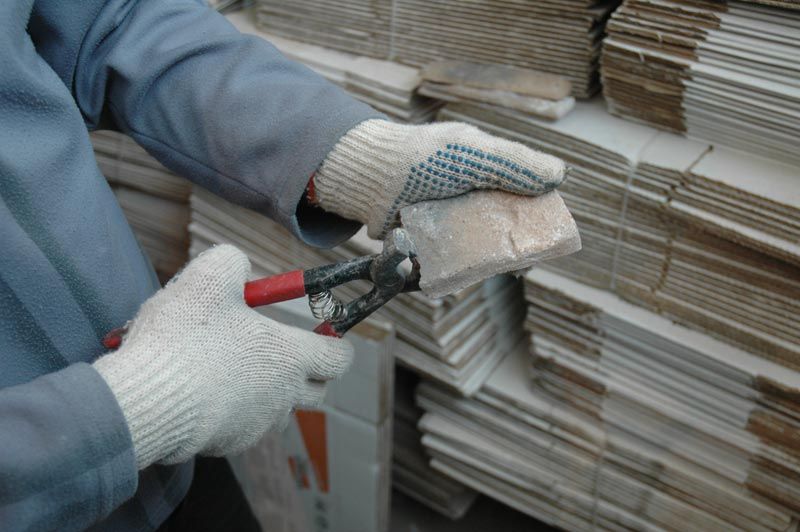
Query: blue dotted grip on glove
{"x": 459, "y": 169}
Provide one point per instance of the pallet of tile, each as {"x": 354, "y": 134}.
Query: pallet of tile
{"x": 557, "y": 36}
{"x": 673, "y": 225}
{"x": 458, "y": 339}
{"x": 727, "y": 72}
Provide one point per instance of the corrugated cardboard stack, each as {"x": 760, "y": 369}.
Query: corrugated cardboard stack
{"x": 387, "y": 86}
{"x": 457, "y": 340}
{"x": 791, "y": 4}
{"x": 617, "y": 418}
{"x": 552, "y": 36}
{"x": 362, "y": 27}
{"x": 155, "y": 201}
{"x": 411, "y": 472}
{"x": 690, "y": 400}
{"x": 726, "y": 71}
{"x": 651, "y": 209}
{"x": 750, "y": 200}
{"x": 620, "y": 419}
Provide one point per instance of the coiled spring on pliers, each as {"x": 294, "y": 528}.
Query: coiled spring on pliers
{"x": 325, "y": 306}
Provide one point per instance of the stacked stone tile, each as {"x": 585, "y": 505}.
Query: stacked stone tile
{"x": 411, "y": 472}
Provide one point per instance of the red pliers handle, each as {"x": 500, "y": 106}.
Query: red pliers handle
{"x": 381, "y": 269}
{"x": 282, "y": 287}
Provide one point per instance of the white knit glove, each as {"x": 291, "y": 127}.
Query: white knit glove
{"x": 379, "y": 167}
{"x": 199, "y": 372}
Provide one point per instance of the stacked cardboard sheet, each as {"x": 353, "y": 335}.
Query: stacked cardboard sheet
{"x": 651, "y": 210}
{"x": 552, "y": 36}
{"x": 693, "y": 418}
{"x": 747, "y": 199}
{"x": 411, "y": 473}
{"x": 154, "y": 200}
{"x": 630, "y": 422}
{"x": 725, "y": 71}
{"x": 387, "y": 86}
{"x": 514, "y": 445}
{"x": 788, "y": 4}
{"x": 458, "y": 339}
{"x": 362, "y": 27}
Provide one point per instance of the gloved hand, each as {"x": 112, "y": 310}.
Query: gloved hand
{"x": 199, "y": 372}
{"x": 379, "y": 167}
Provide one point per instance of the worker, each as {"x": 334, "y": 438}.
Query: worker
{"x": 108, "y": 441}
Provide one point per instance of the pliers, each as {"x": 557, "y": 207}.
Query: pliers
{"x": 382, "y": 269}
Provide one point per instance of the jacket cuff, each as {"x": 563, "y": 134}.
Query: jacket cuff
{"x": 310, "y": 223}
{"x": 101, "y": 434}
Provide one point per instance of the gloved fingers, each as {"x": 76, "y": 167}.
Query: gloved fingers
{"x": 497, "y": 163}
{"x": 313, "y": 394}
{"x": 331, "y": 359}
{"x": 321, "y": 358}
{"x": 213, "y": 280}
{"x": 461, "y": 158}
{"x": 220, "y": 270}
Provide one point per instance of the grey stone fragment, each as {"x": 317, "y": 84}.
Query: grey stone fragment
{"x": 498, "y": 77}
{"x": 532, "y": 105}
{"x": 463, "y": 240}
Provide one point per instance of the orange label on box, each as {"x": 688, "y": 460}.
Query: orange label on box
{"x": 314, "y": 433}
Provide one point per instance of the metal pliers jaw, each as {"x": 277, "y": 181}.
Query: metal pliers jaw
{"x": 383, "y": 270}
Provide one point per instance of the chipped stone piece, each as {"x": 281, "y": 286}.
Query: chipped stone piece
{"x": 498, "y": 77}
{"x": 468, "y": 238}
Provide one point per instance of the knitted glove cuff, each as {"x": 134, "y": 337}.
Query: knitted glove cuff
{"x": 352, "y": 180}
{"x": 159, "y": 408}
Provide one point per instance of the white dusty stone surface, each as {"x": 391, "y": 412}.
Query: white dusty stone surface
{"x": 463, "y": 240}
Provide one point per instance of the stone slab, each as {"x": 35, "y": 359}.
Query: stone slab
{"x": 463, "y": 240}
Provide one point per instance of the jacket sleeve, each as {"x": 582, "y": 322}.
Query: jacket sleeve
{"x": 65, "y": 452}
{"x": 224, "y": 109}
